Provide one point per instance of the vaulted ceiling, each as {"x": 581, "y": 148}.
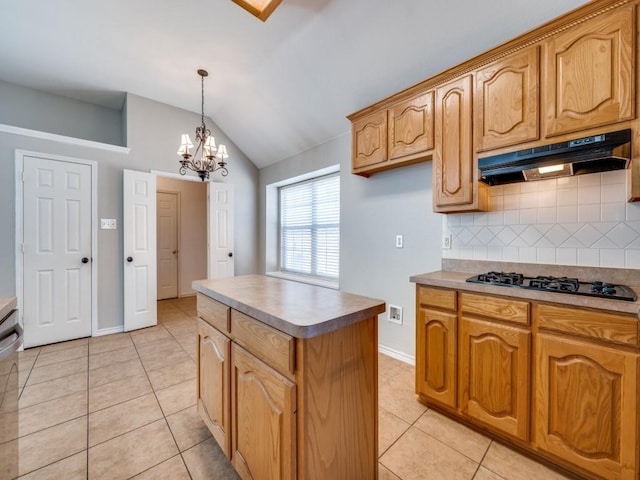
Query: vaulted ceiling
{"x": 276, "y": 88}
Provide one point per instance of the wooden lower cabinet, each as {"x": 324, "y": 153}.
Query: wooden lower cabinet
{"x": 263, "y": 403}
{"x": 560, "y": 381}
{"x": 494, "y": 375}
{"x": 213, "y": 383}
{"x": 586, "y": 403}
{"x": 436, "y": 356}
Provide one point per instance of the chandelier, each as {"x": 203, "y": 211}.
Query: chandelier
{"x": 211, "y": 160}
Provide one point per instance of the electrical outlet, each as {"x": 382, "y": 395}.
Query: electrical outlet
{"x": 395, "y": 314}
{"x": 446, "y": 241}
{"x": 399, "y": 241}
{"x": 108, "y": 224}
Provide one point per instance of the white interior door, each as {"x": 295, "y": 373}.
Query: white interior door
{"x": 167, "y": 203}
{"x": 139, "y": 232}
{"x": 220, "y": 230}
{"x": 57, "y": 258}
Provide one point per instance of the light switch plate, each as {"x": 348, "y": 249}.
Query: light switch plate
{"x": 108, "y": 223}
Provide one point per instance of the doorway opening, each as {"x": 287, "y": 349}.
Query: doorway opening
{"x": 181, "y": 236}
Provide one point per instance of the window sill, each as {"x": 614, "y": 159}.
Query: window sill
{"x": 304, "y": 279}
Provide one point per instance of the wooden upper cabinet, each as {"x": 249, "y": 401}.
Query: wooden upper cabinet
{"x": 494, "y": 375}
{"x": 369, "y": 140}
{"x": 590, "y": 73}
{"x": 587, "y": 399}
{"x": 506, "y": 101}
{"x": 411, "y": 126}
{"x": 453, "y": 156}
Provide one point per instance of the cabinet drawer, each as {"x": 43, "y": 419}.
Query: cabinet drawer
{"x": 271, "y": 345}
{"x": 437, "y": 297}
{"x": 589, "y": 323}
{"x": 497, "y": 308}
{"x": 213, "y": 312}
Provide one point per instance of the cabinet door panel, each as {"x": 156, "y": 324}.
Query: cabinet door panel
{"x": 453, "y": 157}
{"x": 590, "y": 73}
{"x": 506, "y": 96}
{"x": 586, "y": 399}
{"x": 370, "y": 140}
{"x": 436, "y": 356}
{"x": 494, "y": 375}
{"x": 213, "y": 383}
{"x": 411, "y": 126}
{"x": 263, "y": 420}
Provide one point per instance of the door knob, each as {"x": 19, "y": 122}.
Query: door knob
{"x": 175, "y": 251}
{"x": 85, "y": 260}
{"x": 230, "y": 254}
{"x": 129, "y": 259}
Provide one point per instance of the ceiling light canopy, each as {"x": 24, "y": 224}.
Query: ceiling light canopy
{"x": 206, "y": 147}
{"x": 259, "y": 8}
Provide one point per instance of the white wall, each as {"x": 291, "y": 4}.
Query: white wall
{"x": 153, "y": 132}
{"x": 27, "y": 108}
{"x": 372, "y": 212}
{"x": 582, "y": 220}
{"x": 192, "y": 233}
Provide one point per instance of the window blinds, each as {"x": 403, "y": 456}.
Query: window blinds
{"x": 310, "y": 227}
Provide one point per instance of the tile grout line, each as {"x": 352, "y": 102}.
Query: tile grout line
{"x": 87, "y": 413}
{"x": 164, "y": 416}
{"x": 180, "y": 453}
{"x": 57, "y": 424}
{"x": 482, "y": 459}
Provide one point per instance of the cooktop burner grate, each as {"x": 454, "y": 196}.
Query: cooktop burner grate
{"x": 556, "y": 284}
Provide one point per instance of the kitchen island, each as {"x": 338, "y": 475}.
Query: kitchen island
{"x": 288, "y": 377}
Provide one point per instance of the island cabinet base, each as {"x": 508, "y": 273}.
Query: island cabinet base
{"x": 338, "y": 403}
{"x": 283, "y": 407}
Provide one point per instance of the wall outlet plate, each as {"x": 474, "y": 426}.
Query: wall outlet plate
{"x": 446, "y": 241}
{"x": 108, "y": 224}
{"x": 395, "y": 314}
{"x": 399, "y": 241}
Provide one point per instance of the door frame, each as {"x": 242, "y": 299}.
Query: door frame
{"x": 19, "y": 226}
{"x": 188, "y": 178}
{"x": 191, "y": 178}
{"x": 178, "y": 199}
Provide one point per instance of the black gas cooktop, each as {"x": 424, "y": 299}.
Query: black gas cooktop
{"x": 556, "y": 284}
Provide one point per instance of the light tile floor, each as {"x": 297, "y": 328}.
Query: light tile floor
{"x": 123, "y": 406}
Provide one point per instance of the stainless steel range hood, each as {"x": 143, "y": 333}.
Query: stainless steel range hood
{"x": 597, "y": 153}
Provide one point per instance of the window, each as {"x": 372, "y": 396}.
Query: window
{"x": 310, "y": 227}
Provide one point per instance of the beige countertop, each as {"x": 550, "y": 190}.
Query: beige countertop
{"x": 6, "y": 305}
{"x": 298, "y": 309}
{"x": 457, "y": 280}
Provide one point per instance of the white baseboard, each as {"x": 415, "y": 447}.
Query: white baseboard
{"x": 108, "y": 331}
{"x": 398, "y": 355}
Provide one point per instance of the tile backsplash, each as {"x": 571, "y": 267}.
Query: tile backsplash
{"x": 582, "y": 220}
